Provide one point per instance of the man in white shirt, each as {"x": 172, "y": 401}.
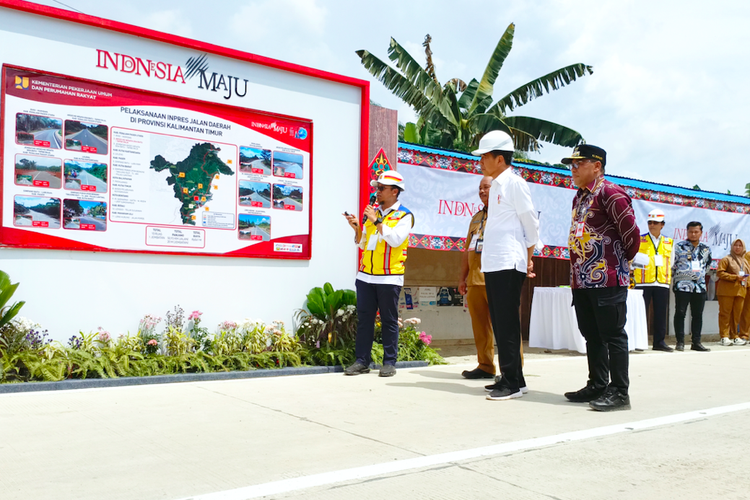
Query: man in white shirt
{"x": 511, "y": 232}
{"x": 383, "y": 238}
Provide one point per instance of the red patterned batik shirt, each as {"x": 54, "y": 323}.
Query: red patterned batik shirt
{"x": 603, "y": 236}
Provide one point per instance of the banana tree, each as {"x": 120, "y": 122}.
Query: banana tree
{"x": 455, "y": 115}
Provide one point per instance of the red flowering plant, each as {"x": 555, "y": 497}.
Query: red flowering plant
{"x": 413, "y": 343}
{"x": 147, "y": 333}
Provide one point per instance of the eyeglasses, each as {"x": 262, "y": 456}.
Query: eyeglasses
{"x": 574, "y": 164}
{"x": 380, "y": 188}
{"x": 653, "y": 222}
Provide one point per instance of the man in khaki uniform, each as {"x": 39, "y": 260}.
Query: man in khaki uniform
{"x": 471, "y": 284}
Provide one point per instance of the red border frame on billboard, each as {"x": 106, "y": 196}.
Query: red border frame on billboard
{"x": 21, "y": 238}
{"x": 84, "y": 19}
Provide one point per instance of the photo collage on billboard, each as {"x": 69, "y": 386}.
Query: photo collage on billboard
{"x": 55, "y": 160}
{"x": 157, "y": 174}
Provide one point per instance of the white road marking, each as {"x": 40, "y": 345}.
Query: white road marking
{"x": 357, "y": 473}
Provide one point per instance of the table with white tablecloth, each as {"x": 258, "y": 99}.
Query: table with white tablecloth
{"x": 553, "y": 322}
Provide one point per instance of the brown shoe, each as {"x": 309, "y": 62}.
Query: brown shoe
{"x": 476, "y": 373}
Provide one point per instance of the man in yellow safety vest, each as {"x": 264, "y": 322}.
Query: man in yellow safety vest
{"x": 383, "y": 237}
{"x": 655, "y": 277}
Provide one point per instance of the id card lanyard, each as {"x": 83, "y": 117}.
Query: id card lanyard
{"x": 695, "y": 265}
{"x": 477, "y": 239}
{"x": 658, "y": 259}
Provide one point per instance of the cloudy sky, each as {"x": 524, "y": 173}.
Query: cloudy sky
{"x": 666, "y": 100}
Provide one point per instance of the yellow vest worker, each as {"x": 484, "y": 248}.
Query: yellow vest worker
{"x": 379, "y": 258}
{"x": 652, "y": 273}
{"x": 383, "y": 238}
{"x": 656, "y": 254}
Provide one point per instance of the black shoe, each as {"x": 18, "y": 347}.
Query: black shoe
{"x": 504, "y": 394}
{"x": 680, "y": 346}
{"x": 356, "y": 369}
{"x": 499, "y": 385}
{"x": 588, "y": 393}
{"x": 611, "y": 400}
{"x": 476, "y": 373}
{"x": 387, "y": 371}
{"x": 662, "y": 347}
{"x": 697, "y": 346}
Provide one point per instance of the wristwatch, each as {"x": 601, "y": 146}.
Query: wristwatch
{"x": 379, "y": 220}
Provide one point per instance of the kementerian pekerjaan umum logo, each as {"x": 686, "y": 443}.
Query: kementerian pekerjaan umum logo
{"x": 138, "y": 66}
{"x": 22, "y": 82}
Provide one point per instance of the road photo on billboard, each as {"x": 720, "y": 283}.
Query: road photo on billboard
{"x": 35, "y": 211}
{"x": 85, "y": 215}
{"x": 287, "y": 197}
{"x": 39, "y": 131}
{"x": 287, "y": 165}
{"x": 255, "y": 161}
{"x": 254, "y": 227}
{"x": 38, "y": 171}
{"x": 86, "y": 137}
{"x": 85, "y": 176}
{"x": 255, "y": 194}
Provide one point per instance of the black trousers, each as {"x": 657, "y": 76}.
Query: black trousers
{"x": 660, "y": 297}
{"x": 370, "y": 300}
{"x": 601, "y": 315}
{"x": 504, "y": 300}
{"x": 681, "y": 301}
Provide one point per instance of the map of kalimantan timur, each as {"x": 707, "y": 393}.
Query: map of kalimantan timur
{"x": 192, "y": 177}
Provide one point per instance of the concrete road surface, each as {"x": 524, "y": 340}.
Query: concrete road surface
{"x": 288, "y": 201}
{"x": 40, "y": 217}
{"x": 54, "y": 181}
{"x": 257, "y": 164}
{"x": 98, "y": 223}
{"x": 91, "y": 180}
{"x": 247, "y": 200}
{"x": 89, "y": 139}
{"x": 289, "y": 167}
{"x": 50, "y": 135}
{"x": 254, "y": 231}
{"x": 424, "y": 434}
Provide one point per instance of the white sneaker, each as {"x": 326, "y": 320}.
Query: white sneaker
{"x": 503, "y": 394}
{"x": 739, "y": 341}
{"x": 492, "y": 387}
{"x": 725, "y": 342}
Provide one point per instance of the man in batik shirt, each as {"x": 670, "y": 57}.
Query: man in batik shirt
{"x": 692, "y": 259}
{"x": 603, "y": 239}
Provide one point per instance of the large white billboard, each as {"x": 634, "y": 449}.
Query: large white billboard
{"x": 104, "y": 128}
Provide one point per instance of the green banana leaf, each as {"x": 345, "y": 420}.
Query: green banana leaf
{"x": 543, "y": 130}
{"x": 537, "y": 88}
{"x": 486, "y": 85}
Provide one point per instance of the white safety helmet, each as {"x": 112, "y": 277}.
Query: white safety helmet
{"x": 497, "y": 140}
{"x": 656, "y": 215}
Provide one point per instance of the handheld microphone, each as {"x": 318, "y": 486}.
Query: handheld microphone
{"x": 372, "y": 202}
